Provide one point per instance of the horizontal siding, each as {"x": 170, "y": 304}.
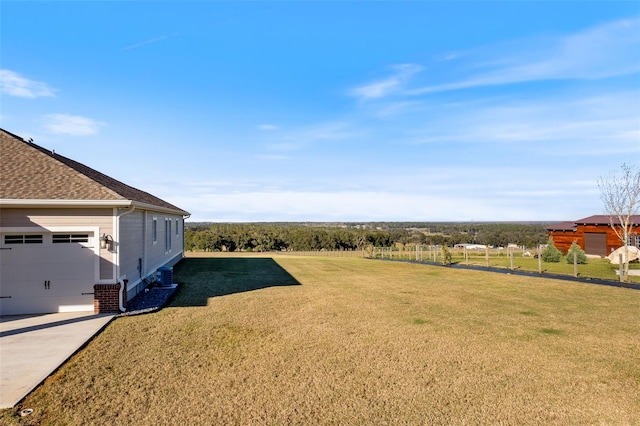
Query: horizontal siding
{"x": 106, "y": 266}
{"x": 136, "y": 235}
{"x": 157, "y": 255}
{"x": 58, "y": 217}
{"x": 563, "y": 239}
{"x": 132, "y": 245}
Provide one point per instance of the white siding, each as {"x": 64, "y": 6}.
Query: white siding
{"x": 137, "y": 227}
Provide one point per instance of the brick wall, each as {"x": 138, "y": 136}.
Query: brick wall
{"x": 105, "y": 298}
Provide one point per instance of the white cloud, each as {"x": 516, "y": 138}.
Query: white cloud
{"x": 385, "y": 87}
{"x": 607, "y": 50}
{"x": 376, "y": 205}
{"x": 13, "y": 84}
{"x": 64, "y": 124}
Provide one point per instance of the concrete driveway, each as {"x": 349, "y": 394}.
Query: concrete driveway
{"x": 33, "y": 346}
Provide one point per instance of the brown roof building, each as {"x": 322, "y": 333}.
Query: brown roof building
{"x": 594, "y": 234}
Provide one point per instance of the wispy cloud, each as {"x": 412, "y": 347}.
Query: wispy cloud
{"x": 150, "y": 41}
{"x": 272, "y": 157}
{"x": 268, "y": 127}
{"x": 14, "y": 84}
{"x": 387, "y": 86}
{"x": 608, "y": 50}
{"x": 584, "y": 125}
{"x": 64, "y": 124}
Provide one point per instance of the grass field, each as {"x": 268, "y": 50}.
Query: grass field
{"x": 313, "y": 340}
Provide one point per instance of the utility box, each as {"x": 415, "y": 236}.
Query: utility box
{"x": 166, "y": 276}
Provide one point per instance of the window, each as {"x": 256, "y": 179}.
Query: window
{"x": 23, "y": 239}
{"x": 70, "y": 238}
{"x": 167, "y": 239}
{"x": 154, "y": 230}
{"x": 634, "y": 240}
{"x": 177, "y": 228}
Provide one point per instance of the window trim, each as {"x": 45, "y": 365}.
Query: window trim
{"x": 167, "y": 235}
{"x": 154, "y": 230}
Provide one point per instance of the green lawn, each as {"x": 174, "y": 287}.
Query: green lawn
{"x": 304, "y": 340}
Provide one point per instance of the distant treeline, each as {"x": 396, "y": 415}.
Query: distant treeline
{"x": 323, "y": 236}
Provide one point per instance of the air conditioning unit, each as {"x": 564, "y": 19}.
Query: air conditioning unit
{"x": 166, "y": 275}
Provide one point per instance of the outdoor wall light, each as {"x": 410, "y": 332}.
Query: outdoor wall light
{"x": 106, "y": 242}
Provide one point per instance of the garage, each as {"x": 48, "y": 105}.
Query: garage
{"x": 47, "y": 272}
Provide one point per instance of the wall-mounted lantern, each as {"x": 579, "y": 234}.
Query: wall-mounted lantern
{"x": 106, "y": 242}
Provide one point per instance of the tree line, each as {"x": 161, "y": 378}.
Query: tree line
{"x": 309, "y": 237}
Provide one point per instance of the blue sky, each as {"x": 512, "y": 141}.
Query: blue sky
{"x": 334, "y": 111}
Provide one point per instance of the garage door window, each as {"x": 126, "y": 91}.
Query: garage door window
{"x": 70, "y": 238}
{"x": 23, "y": 239}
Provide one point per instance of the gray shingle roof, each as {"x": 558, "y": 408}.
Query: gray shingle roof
{"x": 30, "y": 172}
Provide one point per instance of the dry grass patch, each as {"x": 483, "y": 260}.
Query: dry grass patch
{"x": 355, "y": 341}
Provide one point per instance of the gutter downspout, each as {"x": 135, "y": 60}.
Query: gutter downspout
{"x": 184, "y": 218}
{"x": 122, "y": 287}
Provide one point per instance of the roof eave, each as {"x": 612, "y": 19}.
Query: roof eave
{"x": 145, "y": 206}
{"x": 4, "y": 202}
{"x": 40, "y": 203}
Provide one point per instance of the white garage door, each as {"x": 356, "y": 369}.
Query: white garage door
{"x": 43, "y": 273}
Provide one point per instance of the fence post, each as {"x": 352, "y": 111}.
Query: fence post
{"x": 575, "y": 263}
{"x": 540, "y": 259}
{"x": 621, "y": 268}
{"x": 511, "y": 250}
{"x": 486, "y": 255}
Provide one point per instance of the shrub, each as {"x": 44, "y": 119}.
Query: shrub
{"x": 581, "y": 255}
{"x": 551, "y": 254}
{"x": 446, "y": 256}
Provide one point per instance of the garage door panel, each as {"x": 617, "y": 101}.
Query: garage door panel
{"x": 69, "y": 270}
{"x": 14, "y": 273}
{"x": 44, "y": 305}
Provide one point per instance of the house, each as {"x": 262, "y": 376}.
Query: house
{"x": 593, "y": 234}
{"x": 74, "y": 239}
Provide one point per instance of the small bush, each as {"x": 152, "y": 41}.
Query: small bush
{"x": 581, "y": 255}
{"x": 551, "y": 254}
{"x": 446, "y": 256}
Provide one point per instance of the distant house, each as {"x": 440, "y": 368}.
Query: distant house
{"x": 74, "y": 239}
{"x": 593, "y": 234}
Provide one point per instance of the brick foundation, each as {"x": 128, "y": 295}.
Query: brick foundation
{"x": 105, "y": 298}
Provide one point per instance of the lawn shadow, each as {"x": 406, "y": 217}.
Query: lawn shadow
{"x": 202, "y": 278}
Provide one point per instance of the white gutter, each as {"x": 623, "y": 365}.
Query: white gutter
{"x": 117, "y": 232}
{"x": 6, "y": 202}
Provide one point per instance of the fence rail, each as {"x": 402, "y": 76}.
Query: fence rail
{"x": 513, "y": 258}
